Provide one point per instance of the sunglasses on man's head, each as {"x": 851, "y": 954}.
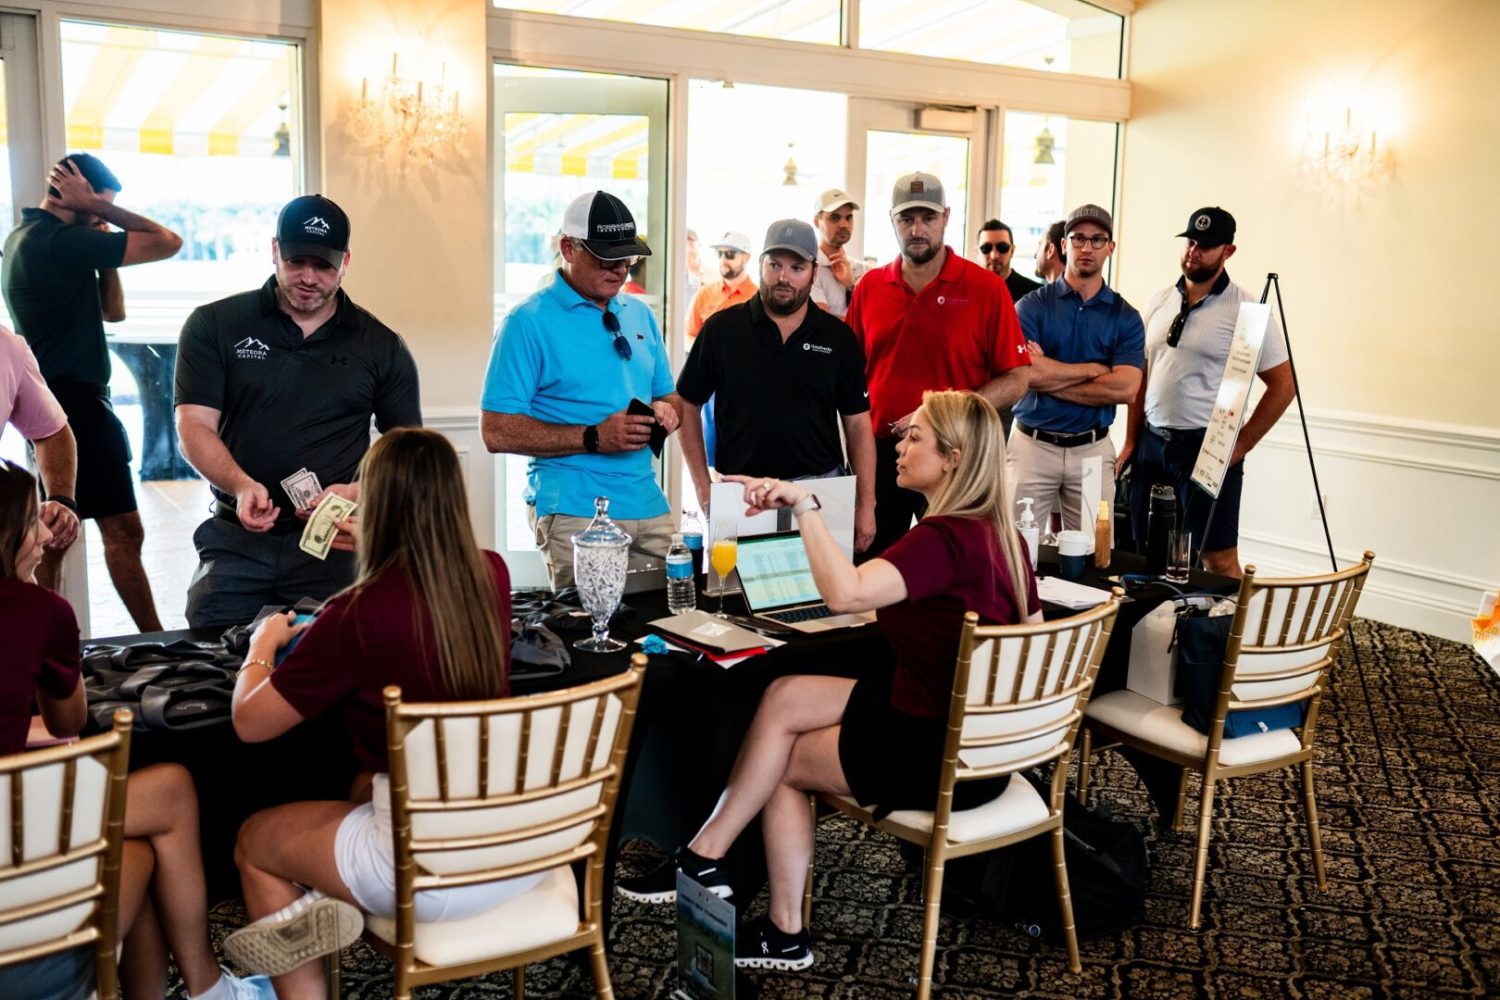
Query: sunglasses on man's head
{"x": 986, "y": 248}
{"x": 622, "y": 346}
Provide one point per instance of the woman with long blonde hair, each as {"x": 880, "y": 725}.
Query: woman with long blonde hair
{"x": 878, "y": 738}
{"x": 429, "y": 611}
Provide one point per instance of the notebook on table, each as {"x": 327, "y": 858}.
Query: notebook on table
{"x": 778, "y": 585}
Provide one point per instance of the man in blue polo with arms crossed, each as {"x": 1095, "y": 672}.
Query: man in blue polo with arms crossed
{"x": 566, "y": 365}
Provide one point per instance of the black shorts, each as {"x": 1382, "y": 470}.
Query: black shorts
{"x": 1157, "y": 460}
{"x": 105, "y": 484}
{"x": 891, "y": 758}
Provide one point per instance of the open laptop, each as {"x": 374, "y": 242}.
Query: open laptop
{"x": 778, "y": 585}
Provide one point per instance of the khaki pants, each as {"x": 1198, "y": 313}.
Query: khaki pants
{"x": 650, "y": 539}
{"x": 1052, "y": 476}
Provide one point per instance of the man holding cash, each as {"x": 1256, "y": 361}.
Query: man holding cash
{"x": 275, "y": 390}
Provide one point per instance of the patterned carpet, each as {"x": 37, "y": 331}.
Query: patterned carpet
{"x": 1412, "y": 907}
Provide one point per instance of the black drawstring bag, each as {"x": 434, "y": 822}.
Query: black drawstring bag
{"x": 1202, "y": 640}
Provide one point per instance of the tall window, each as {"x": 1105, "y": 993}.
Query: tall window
{"x": 1056, "y": 36}
{"x": 789, "y": 20}
{"x": 1053, "y": 164}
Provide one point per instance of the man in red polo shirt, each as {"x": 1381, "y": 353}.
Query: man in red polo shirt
{"x": 928, "y": 320}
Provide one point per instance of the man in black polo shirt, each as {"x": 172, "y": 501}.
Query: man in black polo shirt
{"x": 269, "y": 382}
{"x": 785, "y": 374}
{"x": 61, "y": 280}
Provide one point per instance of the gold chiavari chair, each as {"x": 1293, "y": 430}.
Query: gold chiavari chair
{"x": 62, "y": 830}
{"x": 489, "y": 790}
{"x": 1018, "y": 696}
{"x": 1282, "y": 640}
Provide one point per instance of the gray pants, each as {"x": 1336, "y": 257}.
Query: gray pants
{"x": 650, "y": 539}
{"x": 239, "y": 572}
{"x": 1052, "y": 476}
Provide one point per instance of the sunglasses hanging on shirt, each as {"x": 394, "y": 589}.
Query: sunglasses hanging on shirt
{"x": 622, "y": 346}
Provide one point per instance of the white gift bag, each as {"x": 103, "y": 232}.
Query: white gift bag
{"x": 1153, "y": 655}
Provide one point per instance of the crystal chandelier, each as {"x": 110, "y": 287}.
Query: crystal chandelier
{"x": 420, "y": 118}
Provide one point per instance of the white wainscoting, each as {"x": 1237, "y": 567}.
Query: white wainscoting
{"x": 460, "y": 424}
{"x": 1423, "y": 496}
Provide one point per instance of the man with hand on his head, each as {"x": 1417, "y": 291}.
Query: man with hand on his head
{"x": 268, "y": 381}
{"x": 62, "y": 282}
{"x": 567, "y": 366}
{"x": 786, "y": 375}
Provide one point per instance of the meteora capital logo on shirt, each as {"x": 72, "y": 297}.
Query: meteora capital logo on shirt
{"x": 251, "y": 349}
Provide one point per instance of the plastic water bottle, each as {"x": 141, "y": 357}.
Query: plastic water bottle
{"x": 681, "y": 594}
{"x": 692, "y": 536}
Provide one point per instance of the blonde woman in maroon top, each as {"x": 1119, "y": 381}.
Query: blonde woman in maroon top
{"x": 429, "y": 611}
{"x": 878, "y": 738}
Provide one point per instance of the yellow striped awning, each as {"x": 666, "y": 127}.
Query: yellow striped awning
{"x": 609, "y": 147}
{"x": 170, "y": 92}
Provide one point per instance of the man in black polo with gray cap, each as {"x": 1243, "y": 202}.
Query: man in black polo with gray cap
{"x": 1189, "y": 331}
{"x": 786, "y": 374}
{"x": 275, "y": 391}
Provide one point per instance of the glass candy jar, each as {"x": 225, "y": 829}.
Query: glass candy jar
{"x": 601, "y": 557}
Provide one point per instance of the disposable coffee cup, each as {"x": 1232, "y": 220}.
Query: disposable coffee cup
{"x": 1073, "y": 549}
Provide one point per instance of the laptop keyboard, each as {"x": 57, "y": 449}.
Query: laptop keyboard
{"x": 801, "y": 614}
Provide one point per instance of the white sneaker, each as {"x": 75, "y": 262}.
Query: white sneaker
{"x": 276, "y": 945}
{"x": 232, "y": 987}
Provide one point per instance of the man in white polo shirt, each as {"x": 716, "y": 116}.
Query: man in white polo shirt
{"x": 1189, "y": 328}
{"x": 838, "y": 273}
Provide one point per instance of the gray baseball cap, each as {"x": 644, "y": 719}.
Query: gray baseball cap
{"x": 918, "y": 190}
{"x": 792, "y": 235}
{"x": 1090, "y": 213}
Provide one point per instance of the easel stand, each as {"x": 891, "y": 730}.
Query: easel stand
{"x": 1272, "y": 280}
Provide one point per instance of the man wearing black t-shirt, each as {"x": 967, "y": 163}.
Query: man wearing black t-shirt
{"x": 61, "y": 282}
{"x": 272, "y": 381}
{"x": 785, "y": 375}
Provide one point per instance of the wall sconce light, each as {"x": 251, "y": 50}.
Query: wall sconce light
{"x": 421, "y": 118}
{"x": 1341, "y": 152}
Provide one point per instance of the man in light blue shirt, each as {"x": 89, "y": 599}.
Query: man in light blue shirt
{"x": 566, "y": 366}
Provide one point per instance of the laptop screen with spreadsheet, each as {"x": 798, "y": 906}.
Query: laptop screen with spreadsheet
{"x": 774, "y": 572}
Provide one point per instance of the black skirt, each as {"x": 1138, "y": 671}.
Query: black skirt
{"x": 891, "y": 758}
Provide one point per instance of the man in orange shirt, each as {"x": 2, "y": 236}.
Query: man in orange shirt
{"x": 734, "y": 285}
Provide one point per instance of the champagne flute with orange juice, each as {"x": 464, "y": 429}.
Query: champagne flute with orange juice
{"x": 723, "y": 555}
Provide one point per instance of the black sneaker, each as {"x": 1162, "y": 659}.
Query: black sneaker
{"x": 763, "y": 945}
{"x": 660, "y": 884}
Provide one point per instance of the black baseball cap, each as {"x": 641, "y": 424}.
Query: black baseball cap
{"x": 605, "y": 227}
{"x": 1210, "y": 227}
{"x": 313, "y": 226}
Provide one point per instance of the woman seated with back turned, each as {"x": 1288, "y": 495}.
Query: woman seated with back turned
{"x": 879, "y": 738}
{"x": 429, "y": 611}
{"x": 163, "y": 900}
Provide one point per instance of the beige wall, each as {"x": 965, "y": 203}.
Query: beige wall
{"x": 1387, "y": 287}
{"x": 421, "y": 244}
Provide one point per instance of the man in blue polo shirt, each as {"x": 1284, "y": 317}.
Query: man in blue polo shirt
{"x": 1087, "y": 354}
{"x": 566, "y": 366}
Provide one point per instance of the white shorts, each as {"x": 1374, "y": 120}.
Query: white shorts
{"x": 364, "y": 853}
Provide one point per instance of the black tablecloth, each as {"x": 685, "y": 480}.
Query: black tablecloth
{"x": 692, "y": 717}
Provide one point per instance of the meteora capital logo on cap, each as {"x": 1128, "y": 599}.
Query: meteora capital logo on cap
{"x": 316, "y": 226}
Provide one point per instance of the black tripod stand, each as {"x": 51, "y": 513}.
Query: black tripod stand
{"x": 1272, "y": 280}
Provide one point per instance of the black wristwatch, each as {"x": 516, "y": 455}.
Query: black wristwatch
{"x": 66, "y": 501}
{"x": 591, "y": 438}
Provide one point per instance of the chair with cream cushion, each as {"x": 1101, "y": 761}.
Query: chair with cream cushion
{"x": 62, "y": 826}
{"x": 1018, "y": 696}
{"x": 1284, "y": 636}
{"x": 490, "y": 790}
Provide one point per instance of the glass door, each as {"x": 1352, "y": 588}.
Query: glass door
{"x": 890, "y": 139}
{"x": 560, "y": 133}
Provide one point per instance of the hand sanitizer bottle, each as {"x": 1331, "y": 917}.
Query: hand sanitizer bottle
{"x": 1029, "y": 529}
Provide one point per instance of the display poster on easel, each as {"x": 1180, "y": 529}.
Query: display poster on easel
{"x": 705, "y": 943}
{"x": 1234, "y": 396}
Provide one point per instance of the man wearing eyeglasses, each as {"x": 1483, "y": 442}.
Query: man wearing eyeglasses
{"x": 996, "y": 249}
{"x": 566, "y": 368}
{"x": 1189, "y": 331}
{"x": 1087, "y": 355}
{"x": 930, "y": 319}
